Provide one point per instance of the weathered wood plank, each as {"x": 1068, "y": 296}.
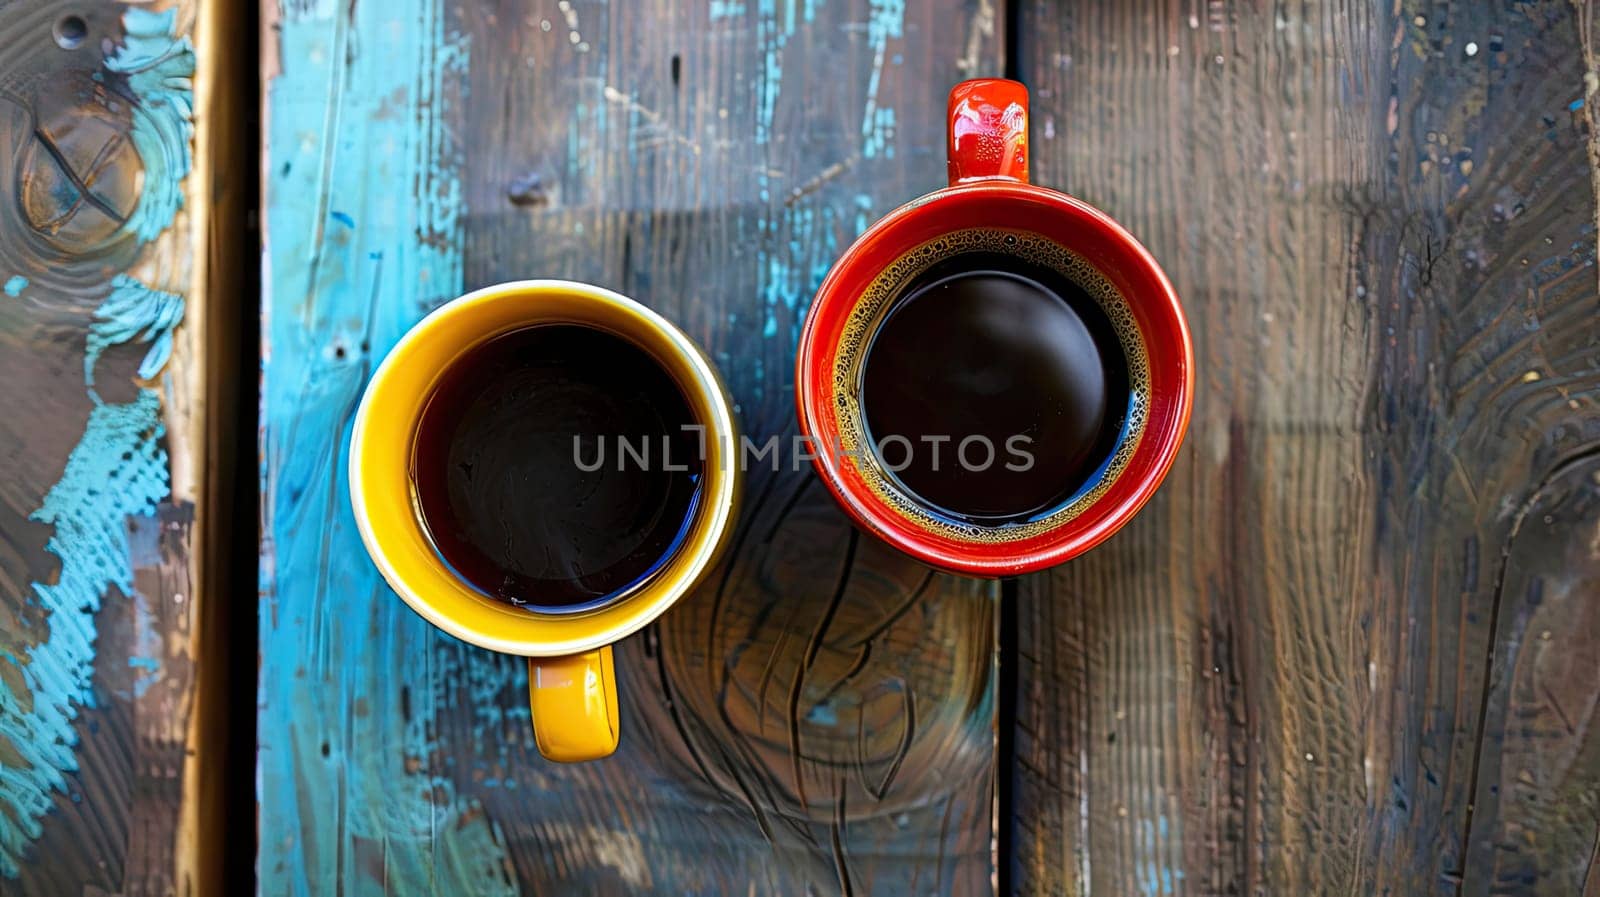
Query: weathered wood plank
{"x": 1275, "y": 681}
{"x": 361, "y": 180}
{"x": 819, "y": 716}
{"x": 1148, "y": 703}
{"x": 1489, "y": 270}
{"x": 101, "y": 398}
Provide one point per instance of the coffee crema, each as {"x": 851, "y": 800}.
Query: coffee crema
{"x": 497, "y": 474}
{"x": 1004, "y": 379}
{"x": 1009, "y": 341}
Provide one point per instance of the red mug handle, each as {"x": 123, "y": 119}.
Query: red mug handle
{"x": 988, "y": 131}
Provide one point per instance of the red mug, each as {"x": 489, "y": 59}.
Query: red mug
{"x": 990, "y": 201}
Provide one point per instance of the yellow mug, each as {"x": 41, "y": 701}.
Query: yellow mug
{"x": 571, "y": 681}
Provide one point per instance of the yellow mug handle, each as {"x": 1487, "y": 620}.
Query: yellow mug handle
{"x": 574, "y": 701}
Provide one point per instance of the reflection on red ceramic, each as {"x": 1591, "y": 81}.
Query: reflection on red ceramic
{"x": 988, "y": 135}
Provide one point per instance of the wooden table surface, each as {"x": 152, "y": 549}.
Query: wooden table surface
{"x": 118, "y": 301}
{"x": 1352, "y": 647}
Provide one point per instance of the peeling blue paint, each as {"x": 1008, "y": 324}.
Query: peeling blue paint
{"x": 781, "y": 283}
{"x": 158, "y": 64}
{"x": 118, "y": 470}
{"x": 822, "y": 715}
{"x": 149, "y": 673}
{"x": 772, "y": 37}
{"x": 863, "y": 206}
{"x": 132, "y": 312}
{"x": 885, "y": 21}
{"x": 328, "y": 774}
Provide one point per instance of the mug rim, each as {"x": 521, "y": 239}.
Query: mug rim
{"x": 385, "y": 507}
{"x": 1117, "y": 254}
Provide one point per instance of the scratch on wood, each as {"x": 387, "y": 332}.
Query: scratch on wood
{"x": 944, "y": 836}
{"x": 766, "y": 672}
{"x": 613, "y": 95}
{"x": 823, "y": 176}
{"x": 1584, "y": 9}
{"x": 978, "y": 33}
{"x": 1566, "y": 722}
{"x": 683, "y": 733}
{"x": 908, "y": 731}
{"x": 862, "y": 653}
{"x": 894, "y": 616}
{"x": 749, "y": 797}
{"x": 812, "y": 647}
{"x": 836, "y": 834}
{"x": 1591, "y": 878}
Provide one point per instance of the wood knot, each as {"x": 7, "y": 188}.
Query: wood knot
{"x": 528, "y": 190}
{"x": 79, "y": 173}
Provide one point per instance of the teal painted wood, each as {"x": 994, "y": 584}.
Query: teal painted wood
{"x": 96, "y": 638}
{"x": 362, "y": 203}
{"x": 819, "y": 717}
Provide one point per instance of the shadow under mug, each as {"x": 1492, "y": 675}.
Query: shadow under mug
{"x": 571, "y": 681}
{"x": 990, "y": 207}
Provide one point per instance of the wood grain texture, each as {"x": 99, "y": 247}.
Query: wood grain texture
{"x": 818, "y": 718}
{"x": 101, "y": 432}
{"x": 1536, "y": 800}
{"x": 1317, "y": 663}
